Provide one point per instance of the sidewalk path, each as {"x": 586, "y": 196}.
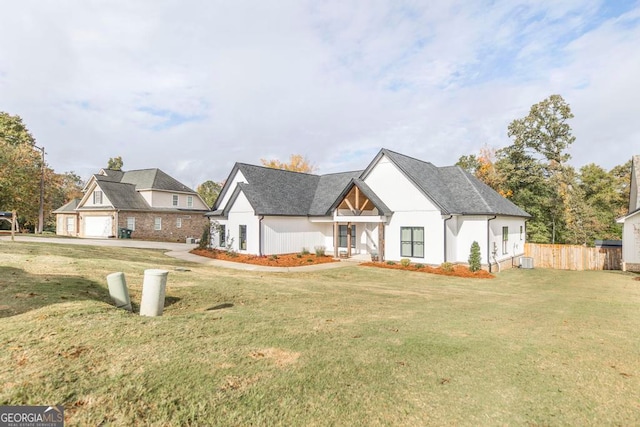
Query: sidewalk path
{"x": 179, "y": 251}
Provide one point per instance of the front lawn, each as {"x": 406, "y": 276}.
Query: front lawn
{"x": 348, "y": 346}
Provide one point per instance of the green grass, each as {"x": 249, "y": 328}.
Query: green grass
{"x": 351, "y": 346}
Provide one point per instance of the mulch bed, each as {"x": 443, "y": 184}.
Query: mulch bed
{"x": 457, "y": 270}
{"x": 284, "y": 260}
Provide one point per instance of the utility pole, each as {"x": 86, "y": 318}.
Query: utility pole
{"x": 41, "y": 208}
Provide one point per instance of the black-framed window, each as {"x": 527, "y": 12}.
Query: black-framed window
{"x": 242, "y": 244}
{"x": 505, "y": 240}
{"x": 521, "y": 232}
{"x": 342, "y": 236}
{"x": 222, "y": 235}
{"x": 412, "y": 242}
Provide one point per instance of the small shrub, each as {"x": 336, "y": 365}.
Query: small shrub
{"x": 419, "y": 266}
{"x": 309, "y": 260}
{"x": 475, "y": 257}
{"x": 232, "y": 253}
{"x": 273, "y": 257}
{"x": 298, "y": 255}
{"x": 304, "y": 251}
{"x": 320, "y": 250}
{"x": 446, "y": 266}
{"x": 205, "y": 240}
{"x": 405, "y": 262}
{"x": 391, "y": 263}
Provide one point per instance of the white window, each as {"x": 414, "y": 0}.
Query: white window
{"x": 97, "y": 197}
{"x": 157, "y": 225}
{"x": 189, "y": 201}
{"x": 222, "y": 231}
{"x": 131, "y": 223}
{"x": 174, "y": 201}
{"x": 505, "y": 240}
{"x": 243, "y": 238}
{"x": 178, "y": 222}
{"x": 71, "y": 224}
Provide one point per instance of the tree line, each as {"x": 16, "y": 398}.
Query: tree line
{"x": 567, "y": 205}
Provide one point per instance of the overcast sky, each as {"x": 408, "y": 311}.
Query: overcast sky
{"x": 192, "y": 86}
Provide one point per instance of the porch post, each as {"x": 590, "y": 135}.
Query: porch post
{"x": 348, "y": 240}
{"x": 381, "y": 242}
{"x": 335, "y": 239}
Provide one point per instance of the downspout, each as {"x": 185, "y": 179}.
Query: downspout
{"x": 444, "y": 225}
{"x": 489, "y": 243}
{"x": 260, "y": 235}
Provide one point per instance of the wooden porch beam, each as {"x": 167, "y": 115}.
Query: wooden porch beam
{"x": 350, "y": 206}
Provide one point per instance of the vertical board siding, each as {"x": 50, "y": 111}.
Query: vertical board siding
{"x": 573, "y": 257}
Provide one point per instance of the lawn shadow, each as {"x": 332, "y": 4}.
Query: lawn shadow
{"x": 220, "y": 306}
{"x": 21, "y": 291}
{"x": 170, "y": 300}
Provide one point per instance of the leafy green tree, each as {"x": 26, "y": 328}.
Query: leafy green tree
{"x": 297, "y": 163}
{"x": 13, "y": 131}
{"x": 115, "y": 163}
{"x": 67, "y": 186}
{"x": 21, "y": 169}
{"x": 469, "y": 163}
{"x": 534, "y": 171}
{"x": 209, "y": 191}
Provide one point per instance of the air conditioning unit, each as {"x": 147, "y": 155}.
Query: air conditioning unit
{"x": 526, "y": 262}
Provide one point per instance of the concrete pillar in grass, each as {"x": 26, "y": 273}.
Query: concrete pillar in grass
{"x": 118, "y": 290}
{"x": 153, "y": 290}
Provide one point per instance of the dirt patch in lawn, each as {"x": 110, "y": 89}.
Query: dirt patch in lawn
{"x": 284, "y": 260}
{"x": 456, "y": 270}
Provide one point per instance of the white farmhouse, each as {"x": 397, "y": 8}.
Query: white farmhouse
{"x": 631, "y": 223}
{"x": 398, "y": 207}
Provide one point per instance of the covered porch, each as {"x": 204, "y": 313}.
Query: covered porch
{"x": 359, "y": 218}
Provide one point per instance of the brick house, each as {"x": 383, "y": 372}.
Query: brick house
{"x": 151, "y": 203}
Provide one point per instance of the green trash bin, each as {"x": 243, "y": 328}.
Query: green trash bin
{"x": 124, "y": 233}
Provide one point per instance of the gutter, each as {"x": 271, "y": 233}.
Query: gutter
{"x": 444, "y": 225}
{"x": 488, "y": 243}
{"x": 260, "y": 235}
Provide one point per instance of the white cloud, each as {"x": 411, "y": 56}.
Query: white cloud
{"x": 193, "y": 86}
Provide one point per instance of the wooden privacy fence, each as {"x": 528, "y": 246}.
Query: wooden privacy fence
{"x": 573, "y": 257}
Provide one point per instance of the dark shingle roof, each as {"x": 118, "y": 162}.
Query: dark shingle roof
{"x": 328, "y": 189}
{"x": 123, "y": 196}
{"x": 69, "y": 207}
{"x": 280, "y": 192}
{"x": 122, "y": 187}
{"x": 155, "y": 179}
{"x": 453, "y": 190}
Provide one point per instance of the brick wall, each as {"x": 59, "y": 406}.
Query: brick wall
{"x": 630, "y": 266}
{"x": 193, "y": 223}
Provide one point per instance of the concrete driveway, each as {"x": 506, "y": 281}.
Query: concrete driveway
{"x": 174, "y": 250}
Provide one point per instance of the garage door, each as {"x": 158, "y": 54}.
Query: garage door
{"x": 97, "y": 226}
